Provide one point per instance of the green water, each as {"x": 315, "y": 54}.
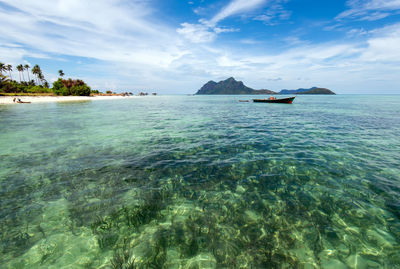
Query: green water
{"x": 201, "y": 182}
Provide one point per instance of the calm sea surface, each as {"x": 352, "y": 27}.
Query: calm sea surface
{"x": 201, "y": 182}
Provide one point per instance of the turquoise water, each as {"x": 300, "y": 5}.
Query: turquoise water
{"x": 201, "y": 182}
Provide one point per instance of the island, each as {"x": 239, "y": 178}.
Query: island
{"x": 313, "y": 90}
{"x": 231, "y": 86}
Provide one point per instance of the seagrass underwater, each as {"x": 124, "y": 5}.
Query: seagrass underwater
{"x": 201, "y": 182}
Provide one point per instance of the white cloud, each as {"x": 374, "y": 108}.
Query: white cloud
{"x": 357, "y": 32}
{"x": 206, "y": 30}
{"x": 120, "y": 33}
{"x": 379, "y": 4}
{"x": 219, "y": 30}
{"x": 196, "y": 33}
{"x": 202, "y": 32}
{"x": 111, "y": 32}
{"x": 236, "y": 7}
{"x": 383, "y": 46}
{"x": 274, "y": 14}
{"x": 370, "y": 10}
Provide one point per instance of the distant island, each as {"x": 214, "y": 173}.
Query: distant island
{"x": 231, "y": 86}
{"x": 313, "y": 90}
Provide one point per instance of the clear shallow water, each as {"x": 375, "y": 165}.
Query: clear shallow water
{"x": 201, "y": 182}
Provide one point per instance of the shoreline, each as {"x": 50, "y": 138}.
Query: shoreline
{"x": 8, "y": 100}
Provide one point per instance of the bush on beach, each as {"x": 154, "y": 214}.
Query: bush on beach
{"x": 71, "y": 87}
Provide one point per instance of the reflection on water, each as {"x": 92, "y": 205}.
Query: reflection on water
{"x": 201, "y": 182}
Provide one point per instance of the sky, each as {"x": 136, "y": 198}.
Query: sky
{"x": 176, "y": 46}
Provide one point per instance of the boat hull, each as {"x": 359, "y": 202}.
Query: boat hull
{"x": 279, "y": 101}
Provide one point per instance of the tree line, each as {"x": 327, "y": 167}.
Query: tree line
{"x": 39, "y": 84}
{"x": 36, "y": 71}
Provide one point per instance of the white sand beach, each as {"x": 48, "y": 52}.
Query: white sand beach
{"x": 48, "y": 99}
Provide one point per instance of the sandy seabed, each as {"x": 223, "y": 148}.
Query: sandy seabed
{"x": 47, "y": 99}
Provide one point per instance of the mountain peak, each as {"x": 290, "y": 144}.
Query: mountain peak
{"x": 229, "y": 86}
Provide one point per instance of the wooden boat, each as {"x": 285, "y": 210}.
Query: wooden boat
{"x": 270, "y": 100}
{"x": 22, "y": 102}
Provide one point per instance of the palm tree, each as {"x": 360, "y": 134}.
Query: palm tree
{"x": 26, "y": 67}
{"x": 2, "y": 68}
{"x": 61, "y": 73}
{"x": 36, "y": 71}
{"x": 9, "y": 69}
{"x": 41, "y": 77}
{"x": 3, "y": 80}
{"x": 20, "y": 69}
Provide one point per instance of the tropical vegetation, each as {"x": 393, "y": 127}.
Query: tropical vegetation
{"x": 71, "y": 87}
{"x": 38, "y": 84}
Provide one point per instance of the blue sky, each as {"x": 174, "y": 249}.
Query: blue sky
{"x": 349, "y": 46}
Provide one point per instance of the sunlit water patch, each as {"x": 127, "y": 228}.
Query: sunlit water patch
{"x": 201, "y": 182}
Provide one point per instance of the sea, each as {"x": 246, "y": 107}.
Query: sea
{"x": 201, "y": 182}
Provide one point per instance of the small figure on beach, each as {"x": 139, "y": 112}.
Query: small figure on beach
{"x": 19, "y": 101}
{"x": 14, "y": 99}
